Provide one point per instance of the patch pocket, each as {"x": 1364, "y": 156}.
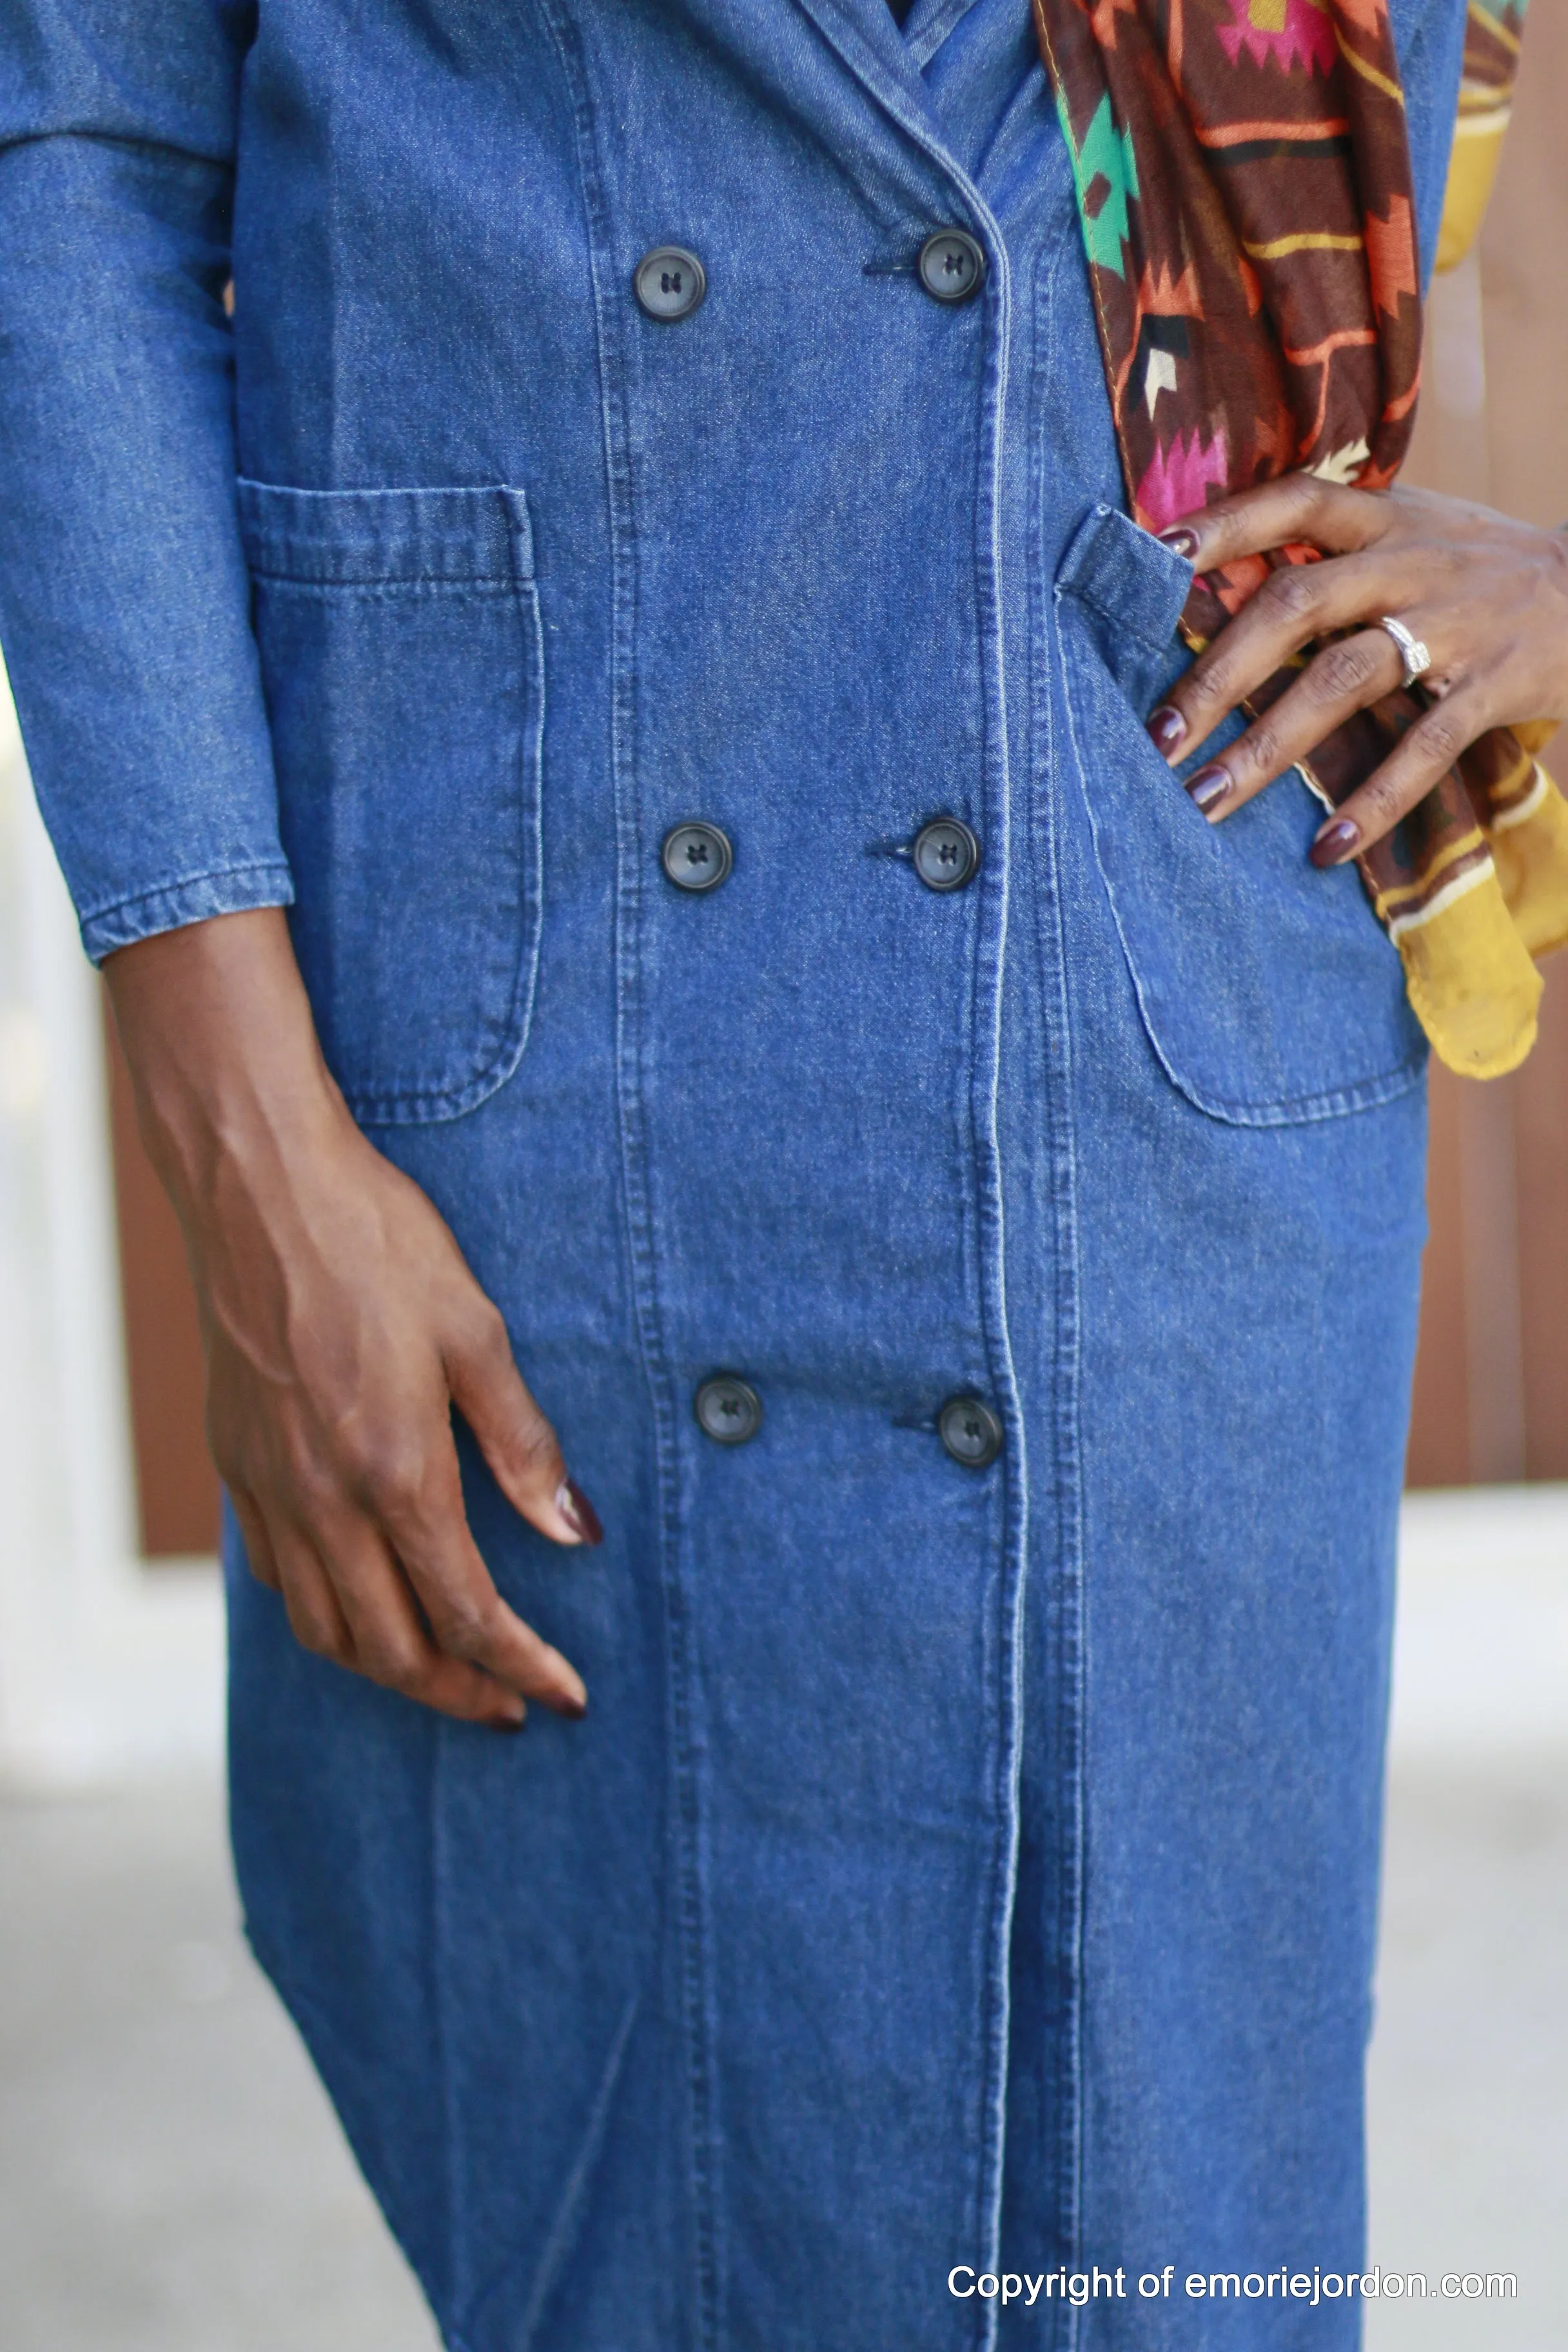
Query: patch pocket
{"x": 403, "y": 664}
{"x": 1270, "y": 994}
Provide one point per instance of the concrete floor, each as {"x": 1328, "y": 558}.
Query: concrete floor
{"x": 172, "y": 2180}
{"x": 1469, "y": 2068}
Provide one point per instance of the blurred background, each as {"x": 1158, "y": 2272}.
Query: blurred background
{"x": 171, "y": 2179}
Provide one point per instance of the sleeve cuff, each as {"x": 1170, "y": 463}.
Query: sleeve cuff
{"x": 194, "y": 899}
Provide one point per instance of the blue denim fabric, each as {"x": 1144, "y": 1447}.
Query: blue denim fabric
{"x": 955, "y": 1868}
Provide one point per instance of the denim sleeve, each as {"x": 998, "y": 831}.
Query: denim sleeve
{"x": 124, "y": 601}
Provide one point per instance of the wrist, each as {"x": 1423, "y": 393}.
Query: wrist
{"x": 224, "y": 1059}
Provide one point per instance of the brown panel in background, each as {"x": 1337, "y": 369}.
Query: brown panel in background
{"x": 1491, "y": 1374}
{"x": 1491, "y": 1382}
{"x": 1439, "y": 1429}
{"x": 1525, "y": 290}
{"x": 1523, "y": 250}
{"x": 1540, "y": 1145}
{"x": 177, "y": 1489}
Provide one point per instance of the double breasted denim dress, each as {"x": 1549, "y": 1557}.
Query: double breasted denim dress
{"x": 968, "y": 1862}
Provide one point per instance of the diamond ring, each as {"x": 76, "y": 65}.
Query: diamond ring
{"x": 1413, "y": 653}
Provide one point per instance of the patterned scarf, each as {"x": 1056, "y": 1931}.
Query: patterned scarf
{"x": 1244, "y": 186}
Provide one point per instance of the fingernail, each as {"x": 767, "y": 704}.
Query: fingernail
{"x": 1180, "y": 542}
{"x": 514, "y": 1718}
{"x": 574, "y": 1700}
{"x": 1209, "y": 786}
{"x": 1166, "y": 728}
{"x": 578, "y": 1512}
{"x": 1335, "y": 842}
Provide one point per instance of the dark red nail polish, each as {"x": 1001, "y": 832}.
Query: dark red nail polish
{"x": 1338, "y": 838}
{"x": 1167, "y": 728}
{"x": 578, "y": 1512}
{"x": 1209, "y": 786}
{"x": 1180, "y": 542}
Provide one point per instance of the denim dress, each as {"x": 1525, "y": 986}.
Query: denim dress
{"x": 967, "y": 1868}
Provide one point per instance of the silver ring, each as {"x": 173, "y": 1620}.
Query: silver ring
{"x": 1413, "y": 653}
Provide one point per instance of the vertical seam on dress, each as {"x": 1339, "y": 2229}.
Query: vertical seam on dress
{"x": 1066, "y": 1463}
{"x": 986, "y": 1033}
{"x": 1070, "y": 1617}
{"x": 1073, "y": 1548}
{"x": 635, "y": 1184}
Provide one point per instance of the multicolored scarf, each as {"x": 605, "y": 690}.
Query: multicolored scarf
{"x": 1245, "y": 190}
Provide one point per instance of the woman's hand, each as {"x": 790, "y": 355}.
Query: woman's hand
{"x": 1488, "y": 597}
{"x": 341, "y": 1325}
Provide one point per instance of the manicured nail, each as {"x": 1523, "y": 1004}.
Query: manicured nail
{"x": 1167, "y": 728}
{"x": 574, "y": 1699}
{"x": 1209, "y": 786}
{"x": 578, "y": 1512}
{"x": 1334, "y": 844}
{"x": 1180, "y": 542}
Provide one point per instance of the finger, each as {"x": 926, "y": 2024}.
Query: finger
{"x": 392, "y": 1644}
{"x": 422, "y": 1517}
{"x": 316, "y": 1620}
{"x": 513, "y": 1435}
{"x": 258, "y": 1553}
{"x": 1345, "y": 677}
{"x": 1297, "y": 510}
{"x": 1421, "y": 759}
{"x": 1297, "y": 604}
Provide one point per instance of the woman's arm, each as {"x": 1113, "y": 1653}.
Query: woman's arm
{"x": 342, "y": 1325}
{"x": 340, "y": 1321}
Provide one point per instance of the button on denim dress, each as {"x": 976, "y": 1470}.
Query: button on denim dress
{"x": 965, "y": 1864}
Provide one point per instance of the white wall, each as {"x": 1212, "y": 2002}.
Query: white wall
{"x": 1480, "y": 1665}
{"x": 105, "y": 1666}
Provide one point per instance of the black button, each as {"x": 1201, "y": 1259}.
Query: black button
{"x": 970, "y": 1430}
{"x": 669, "y": 283}
{"x": 947, "y": 855}
{"x": 696, "y": 856}
{"x": 952, "y": 266}
{"x": 728, "y": 1411}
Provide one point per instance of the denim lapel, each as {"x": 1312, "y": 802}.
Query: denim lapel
{"x": 928, "y": 25}
{"x": 864, "y": 36}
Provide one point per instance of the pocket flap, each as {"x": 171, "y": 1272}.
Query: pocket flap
{"x": 367, "y": 538}
{"x": 1130, "y": 588}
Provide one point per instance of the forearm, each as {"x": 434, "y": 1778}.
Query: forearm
{"x": 342, "y": 1325}
{"x": 223, "y": 1056}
